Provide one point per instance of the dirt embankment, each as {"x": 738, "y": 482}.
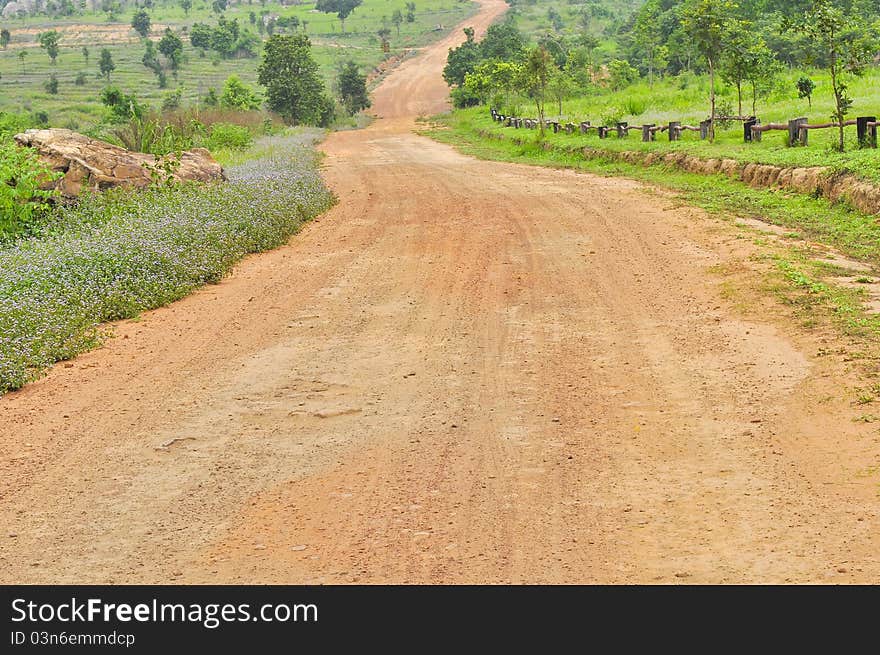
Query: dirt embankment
{"x": 814, "y": 180}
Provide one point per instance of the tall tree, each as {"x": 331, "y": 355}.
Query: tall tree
{"x": 105, "y": 64}
{"x": 49, "y": 42}
{"x": 847, "y": 48}
{"x": 648, "y": 37}
{"x": 141, "y": 23}
{"x": 706, "y": 23}
{"x": 290, "y": 74}
{"x": 535, "y": 76}
{"x": 352, "y": 87}
{"x": 342, "y": 8}
{"x": 397, "y": 19}
{"x": 462, "y": 60}
{"x": 6, "y": 37}
{"x": 171, "y": 46}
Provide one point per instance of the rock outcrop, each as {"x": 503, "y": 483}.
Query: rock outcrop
{"x": 90, "y": 164}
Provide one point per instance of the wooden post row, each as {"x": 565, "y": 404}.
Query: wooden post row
{"x": 866, "y": 128}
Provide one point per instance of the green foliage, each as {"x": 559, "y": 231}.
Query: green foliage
{"x": 106, "y": 64}
{"x": 621, "y": 74}
{"x": 462, "y": 60}
{"x": 49, "y": 42}
{"x": 5, "y": 38}
{"x": 535, "y": 75}
{"x": 805, "y": 87}
{"x": 342, "y": 8}
{"x": 52, "y": 84}
{"x": 225, "y": 136}
{"x": 352, "y": 86}
{"x": 238, "y": 95}
{"x": 290, "y": 74}
{"x": 122, "y": 106}
{"x": 22, "y": 198}
{"x": 171, "y": 47}
{"x": 848, "y": 46}
{"x": 141, "y": 23}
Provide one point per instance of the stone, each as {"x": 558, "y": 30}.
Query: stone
{"x": 90, "y": 164}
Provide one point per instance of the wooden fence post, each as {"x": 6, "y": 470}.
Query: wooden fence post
{"x": 747, "y": 129}
{"x": 585, "y": 126}
{"x": 704, "y": 129}
{"x": 621, "y": 129}
{"x": 603, "y": 131}
{"x": 794, "y": 129}
{"x": 674, "y": 130}
{"x": 867, "y": 134}
{"x": 647, "y": 132}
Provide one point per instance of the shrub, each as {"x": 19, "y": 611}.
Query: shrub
{"x": 21, "y": 198}
{"x": 230, "y": 137}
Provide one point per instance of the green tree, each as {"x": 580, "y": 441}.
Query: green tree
{"x": 805, "y": 88}
{"x": 51, "y": 85}
{"x": 648, "y": 38}
{"x": 141, "y": 23}
{"x": 21, "y": 55}
{"x": 503, "y": 41}
{"x": 238, "y": 95}
{"x": 503, "y": 76}
{"x": 560, "y": 87}
{"x": 621, "y": 74}
{"x": 762, "y": 73}
{"x": 535, "y": 75}
{"x": 171, "y": 47}
{"x": 352, "y": 87}
{"x": 122, "y": 107}
{"x": 49, "y": 41}
{"x": 85, "y": 54}
{"x": 290, "y": 74}
{"x": 186, "y": 5}
{"x": 735, "y": 68}
{"x": 342, "y": 8}
{"x": 706, "y": 23}
{"x": 396, "y": 19}
{"x": 200, "y": 36}
{"x": 105, "y": 64}
{"x": 6, "y": 37}
{"x": 847, "y": 49}
{"x": 462, "y": 60}
{"x": 410, "y": 12}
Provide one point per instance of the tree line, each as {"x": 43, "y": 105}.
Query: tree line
{"x": 747, "y": 43}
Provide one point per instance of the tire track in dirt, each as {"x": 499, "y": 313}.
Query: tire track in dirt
{"x": 464, "y": 372}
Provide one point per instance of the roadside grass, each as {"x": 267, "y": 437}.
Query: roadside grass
{"x": 669, "y": 100}
{"x": 117, "y": 254}
{"x": 803, "y": 284}
{"x": 79, "y": 107}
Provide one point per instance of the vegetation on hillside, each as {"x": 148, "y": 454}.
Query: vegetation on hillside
{"x": 680, "y": 59}
{"x": 115, "y": 255}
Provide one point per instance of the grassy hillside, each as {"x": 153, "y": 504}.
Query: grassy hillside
{"x": 22, "y": 82}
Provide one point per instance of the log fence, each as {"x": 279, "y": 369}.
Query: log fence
{"x": 798, "y": 128}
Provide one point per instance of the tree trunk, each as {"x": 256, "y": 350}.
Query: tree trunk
{"x": 739, "y": 96}
{"x": 711, "y": 100}
{"x": 540, "y": 107}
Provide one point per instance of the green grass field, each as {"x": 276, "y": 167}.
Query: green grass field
{"x": 78, "y": 107}
{"x": 685, "y": 98}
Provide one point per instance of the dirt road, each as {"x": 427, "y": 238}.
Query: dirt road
{"x": 465, "y": 372}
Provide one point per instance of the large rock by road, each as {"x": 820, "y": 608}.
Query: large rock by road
{"x": 90, "y": 164}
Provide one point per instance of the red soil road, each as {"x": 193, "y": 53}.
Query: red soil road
{"x": 465, "y": 372}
